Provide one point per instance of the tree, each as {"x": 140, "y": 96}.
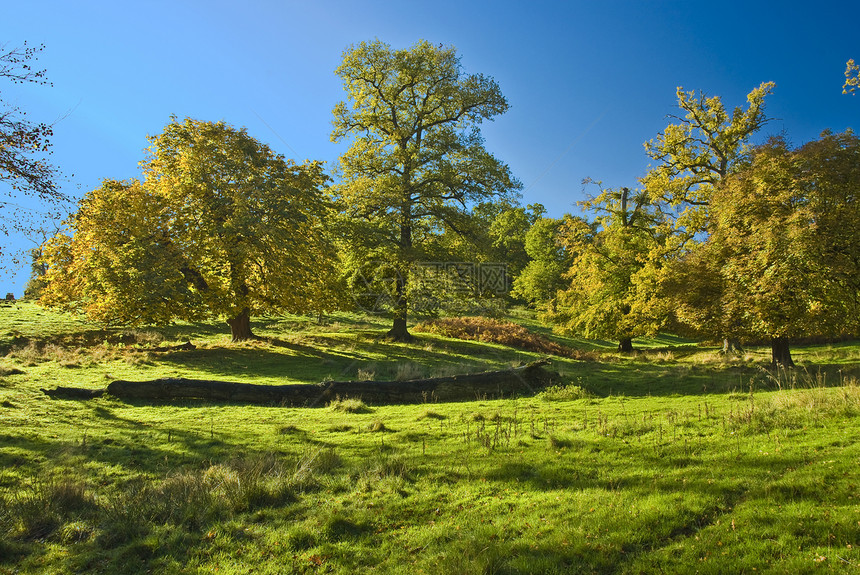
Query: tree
{"x": 612, "y": 276}
{"x": 220, "y": 226}
{"x": 695, "y": 157}
{"x": 508, "y": 234}
{"x": 23, "y": 145}
{"x": 785, "y": 244}
{"x": 542, "y": 278}
{"x": 416, "y": 159}
{"x": 852, "y": 78}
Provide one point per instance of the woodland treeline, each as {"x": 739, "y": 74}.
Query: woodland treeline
{"x": 720, "y": 239}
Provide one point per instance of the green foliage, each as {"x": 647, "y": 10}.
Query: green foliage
{"x": 695, "y": 155}
{"x": 417, "y": 159}
{"x": 493, "y": 231}
{"x": 221, "y": 226}
{"x": 36, "y": 283}
{"x": 541, "y": 279}
{"x": 509, "y": 233}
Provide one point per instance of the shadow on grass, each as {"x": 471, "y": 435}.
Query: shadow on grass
{"x": 340, "y": 356}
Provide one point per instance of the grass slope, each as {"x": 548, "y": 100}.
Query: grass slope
{"x": 668, "y": 461}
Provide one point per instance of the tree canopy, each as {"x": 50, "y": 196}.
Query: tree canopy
{"x": 417, "y": 158}
{"x": 220, "y": 226}
{"x": 695, "y": 155}
{"x": 784, "y": 247}
{"x": 549, "y": 259}
{"x": 724, "y": 239}
{"x": 698, "y": 152}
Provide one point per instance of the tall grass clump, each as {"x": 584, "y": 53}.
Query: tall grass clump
{"x": 349, "y": 405}
{"x": 40, "y": 509}
{"x": 568, "y": 392}
{"x": 313, "y": 466}
{"x": 407, "y": 371}
{"x": 798, "y": 407}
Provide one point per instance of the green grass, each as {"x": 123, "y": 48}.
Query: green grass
{"x": 674, "y": 460}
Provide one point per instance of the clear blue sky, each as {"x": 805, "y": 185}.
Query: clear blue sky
{"x": 587, "y": 82}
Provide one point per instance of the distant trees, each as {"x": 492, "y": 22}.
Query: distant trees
{"x": 549, "y": 258}
{"x": 220, "y": 226}
{"x": 721, "y": 238}
{"x": 695, "y": 156}
{"x": 417, "y": 159}
{"x": 724, "y": 239}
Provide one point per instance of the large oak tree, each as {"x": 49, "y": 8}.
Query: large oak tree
{"x": 220, "y": 226}
{"x": 417, "y": 158}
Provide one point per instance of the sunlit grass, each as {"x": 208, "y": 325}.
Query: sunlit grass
{"x": 672, "y": 460}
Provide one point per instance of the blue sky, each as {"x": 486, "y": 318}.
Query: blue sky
{"x": 587, "y": 82}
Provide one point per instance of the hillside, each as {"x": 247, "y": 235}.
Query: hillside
{"x": 671, "y": 460}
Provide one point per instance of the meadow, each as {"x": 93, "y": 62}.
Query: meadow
{"x": 674, "y": 459}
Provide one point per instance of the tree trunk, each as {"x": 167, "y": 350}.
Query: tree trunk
{"x": 240, "y": 326}
{"x": 398, "y": 332}
{"x": 731, "y": 346}
{"x": 780, "y": 352}
{"x": 625, "y": 345}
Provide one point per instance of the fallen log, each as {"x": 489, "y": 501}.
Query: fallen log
{"x": 523, "y": 380}
{"x": 61, "y": 392}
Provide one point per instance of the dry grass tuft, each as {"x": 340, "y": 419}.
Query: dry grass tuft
{"x": 377, "y": 426}
{"x": 407, "y": 371}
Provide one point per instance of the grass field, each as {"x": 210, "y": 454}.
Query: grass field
{"x": 672, "y": 460}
